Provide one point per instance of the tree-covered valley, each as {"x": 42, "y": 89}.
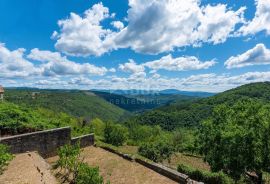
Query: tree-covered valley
{"x": 228, "y": 132}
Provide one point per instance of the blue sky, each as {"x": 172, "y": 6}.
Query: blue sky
{"x": 190, "y": 45}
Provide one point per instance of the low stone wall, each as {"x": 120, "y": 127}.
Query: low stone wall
{"x": 45, "y": 142}
{"x": 85, "y": 140}
{"x": 165, "y": 171}
{"x": 125, "y": 156}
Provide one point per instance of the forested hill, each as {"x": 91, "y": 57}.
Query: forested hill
{"x": 74, "y": 102}
{"x": 140, "y": 102}
{"x": 191, "y": 113}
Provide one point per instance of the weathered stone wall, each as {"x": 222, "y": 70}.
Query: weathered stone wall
{"x": 45, "y": 142}
{"x": 85, "y": 140}
{"x": 165, "y": 171}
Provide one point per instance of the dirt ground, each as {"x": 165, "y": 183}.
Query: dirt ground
{"x": 28, "y": 168}
{"x": 118, "y": 170}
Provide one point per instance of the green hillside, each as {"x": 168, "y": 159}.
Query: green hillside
{"x": 140, "y": 103}
{"x": 73, "y": 102}
{"x": 191, "y": 113}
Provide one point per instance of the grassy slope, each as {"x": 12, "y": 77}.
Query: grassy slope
{"x": 75, "y": 103}
{"x": 191, "y": 113}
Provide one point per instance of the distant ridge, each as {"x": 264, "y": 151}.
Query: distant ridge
{"x": 187, "y": 93}
{"x": 191, "y": 113}
{"x": 155, "y": 92}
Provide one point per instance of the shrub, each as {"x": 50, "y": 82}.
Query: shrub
{"x": 5, "y": 157}
{"x": 205, "y": 176}
{"x": 98, "y": 126}
{"x": 184, "y": 140}
{"x": 149, "y": 151}
{"x": 142, "y": 133}
{"x": 115, "y": 134}
{"x": 69, "y": 159}
{"x": 156, "y": 151}
{"x": 89, "y": 175}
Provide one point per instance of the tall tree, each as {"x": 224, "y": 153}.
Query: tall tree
{"x": 236, "y": 139}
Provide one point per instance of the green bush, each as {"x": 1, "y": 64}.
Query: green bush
{"x": 89, "y": 175}
{"x": 69, "y": 159}
{"x": 156, "y": 151}
{"x": 115, "y": 134}
{"x": 5, "y": 157}
{"x": 98, "y": 126}
{"x": 184, "y": 140}
{"x": 205, "y": 176}
{"x": 142, "y": 133}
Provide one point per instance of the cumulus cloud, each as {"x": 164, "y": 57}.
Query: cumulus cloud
{"x": 203, "y": 82}
{"x": 118, "y": 25}
{"x": 83, "y": 36}
{"x": 60, "y": 65}
{"x": 160, "y": 26}
{"x": 13, "y": 64}
{"x": 261, "y": 21}
{"x": 153, "y": 27}
{"x": 259, "y": 55}
{"x": 179, "y": 63}
{"x": 131, "y": 67}
{"x": 45, "y": 56}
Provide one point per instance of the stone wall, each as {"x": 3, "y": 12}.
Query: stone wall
{"x": 163, "y": 170}
{"x": 85, "y": 140}
{"x": 45, "y": 142}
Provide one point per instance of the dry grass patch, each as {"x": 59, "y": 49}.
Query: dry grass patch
{"x": 118, "y": 170}
{"x": 192, "y": 161}
{"x": 28, "y": 168}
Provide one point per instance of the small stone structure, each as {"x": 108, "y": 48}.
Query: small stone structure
{"x": 1, "y": 93}
{"x": 45, "y": 142}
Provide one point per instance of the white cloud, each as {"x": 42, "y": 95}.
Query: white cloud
{"x": 156, "y": 75}
{"x": 83, "y": 36}
{"x": 217, "y": 23}
{"x": 204, "y": 82}
{"x": 131, "y": 67}
{"x": 81, "y": 81}
{"x": 259, "y": 55}
{"x": 118, "y": 24}
{"x": 13, "y": 64}
{"x": 261, "y": 21}
{"x": 154, "y": 26}
{"x": 179, "y": 64}
{"x": 45, "y": 56}
{"x": 113, "y": 70}
{"x": 60, "y": 65}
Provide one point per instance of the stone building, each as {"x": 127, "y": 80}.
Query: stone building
{"x": 1, "y": 93}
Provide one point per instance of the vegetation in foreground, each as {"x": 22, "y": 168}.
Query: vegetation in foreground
{"x": 5, "y": 157}
{"x": 73, "y": 168}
